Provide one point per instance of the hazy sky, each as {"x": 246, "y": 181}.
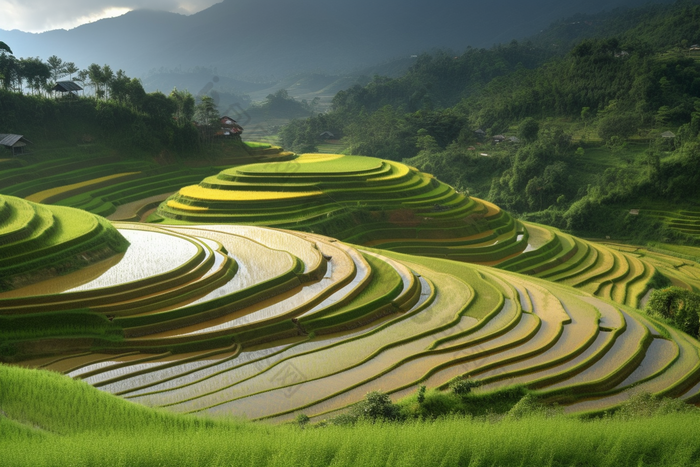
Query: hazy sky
{"x": 40, "y": 15}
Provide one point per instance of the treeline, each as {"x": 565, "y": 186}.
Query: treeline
{"x": 117, "y": 107}
{"x": 281, "y": 105}
{"x": 634, "y": 85}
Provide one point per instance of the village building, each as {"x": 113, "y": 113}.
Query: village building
{"x": 230, "y": 127}
{"x": 67, "y": 87}
{"x": 15, "y": 143}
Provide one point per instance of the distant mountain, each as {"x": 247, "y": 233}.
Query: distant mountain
{"x": 266, "y": 40}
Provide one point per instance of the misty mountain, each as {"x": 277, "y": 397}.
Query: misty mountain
{"x": 265, "y": 40}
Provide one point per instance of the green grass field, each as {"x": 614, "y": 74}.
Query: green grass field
{"x": 50, "y": 420}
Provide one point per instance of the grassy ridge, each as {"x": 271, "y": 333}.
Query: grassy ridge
{"x": 47, "y": 419}
{"x": 37, "y": 242}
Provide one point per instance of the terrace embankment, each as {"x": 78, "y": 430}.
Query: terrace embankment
{"x": 270, "y": 323}
{"x": 388, "y": 205}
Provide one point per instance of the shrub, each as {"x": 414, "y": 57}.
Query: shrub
{"x": 376, "y": 406}
{"x": 528, "y": 130}
{"x": 461, "y": 386}
{"x": 650, "y": 405}
{"x": 421, "y": 394}
{"x": 302, "y": 419}
{"x": 678, "y": 306}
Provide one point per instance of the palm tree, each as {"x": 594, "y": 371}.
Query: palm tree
{"x": 71, "y": 69}
{"x": 95, "y": 74}
{"x": 5, "y": 47}
{"x": 58, "y": 68}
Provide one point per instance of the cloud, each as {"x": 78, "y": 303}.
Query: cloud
{"x": 39, "y": 15}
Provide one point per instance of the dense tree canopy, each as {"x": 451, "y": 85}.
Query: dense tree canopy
{"x": 636, "y": 79}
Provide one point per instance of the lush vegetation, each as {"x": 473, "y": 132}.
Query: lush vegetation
{"x": 600, "y": 105}
{"x": 679, "y": 306}
{"x": 48, "y": 420}
{"x": 117, "y": 110}
{"x": 363, "y": 350}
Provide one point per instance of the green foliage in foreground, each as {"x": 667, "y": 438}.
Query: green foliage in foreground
{"x": 48, "y": 419}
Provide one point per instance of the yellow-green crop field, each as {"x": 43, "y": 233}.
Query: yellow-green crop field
{"x": 271, "y": 323}
{"x": 300, "y": 284}
{"x": 392, "y": 206}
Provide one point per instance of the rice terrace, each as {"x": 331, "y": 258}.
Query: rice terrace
{"x": 488, "y": 259}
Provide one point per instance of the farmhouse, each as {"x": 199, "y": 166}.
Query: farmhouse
{"x": 230, "y": 127}
{"x": 15, "y": 143}
{"x": 326, "y": 135}
{"x": 67, "y": 86}
{"x": 668, "y": 134}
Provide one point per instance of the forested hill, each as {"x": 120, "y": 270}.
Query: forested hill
{"x": 268, "y": 38}
{"x": 590, "y": 122}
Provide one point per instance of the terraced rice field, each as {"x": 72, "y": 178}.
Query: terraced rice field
{"x": 103, "y": 184}
{"x": 201, "y": 314}
{"x": 269, "y": 323}
{"x": 357, "y": 199}
{"x": 387, "y": 205}
{"x": 686, "y": 221}
{"x": 38, "y": 242}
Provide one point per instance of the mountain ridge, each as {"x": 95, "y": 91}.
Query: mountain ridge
{"x": 268, "y": 40}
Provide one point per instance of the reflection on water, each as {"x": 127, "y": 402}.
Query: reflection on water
{"x": 150, "y": 254}
{"x": 277, "y": 240}
{"x": 62, "y": 283}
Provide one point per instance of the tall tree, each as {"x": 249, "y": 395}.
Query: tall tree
{"x": 185, "y": 106}
{"x": 94, "y": 72}
{"x": 35, "y": 72}
{"x": 100, "y": 77}
{"x": 136, "y": 93}
{"x": 207, "y": 115}
{"x": 5, "y": 47}
{"x": 9, "y": 70}
{"x": 57, "y": 67}
{"x": 83, "y": 77}
{"x": 71, "y": 69}
{"x": 119, "y": 87}
{"x": 107, "y": 77}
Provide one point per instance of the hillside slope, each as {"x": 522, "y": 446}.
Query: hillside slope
{"x": 266, "y": 323}
{"x": 264, "y": 42}
{"x": 389, "y": 205}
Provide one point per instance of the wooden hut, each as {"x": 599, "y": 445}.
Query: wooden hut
{"x": 67, "y": 87}
{"x": 15, "y": 143}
